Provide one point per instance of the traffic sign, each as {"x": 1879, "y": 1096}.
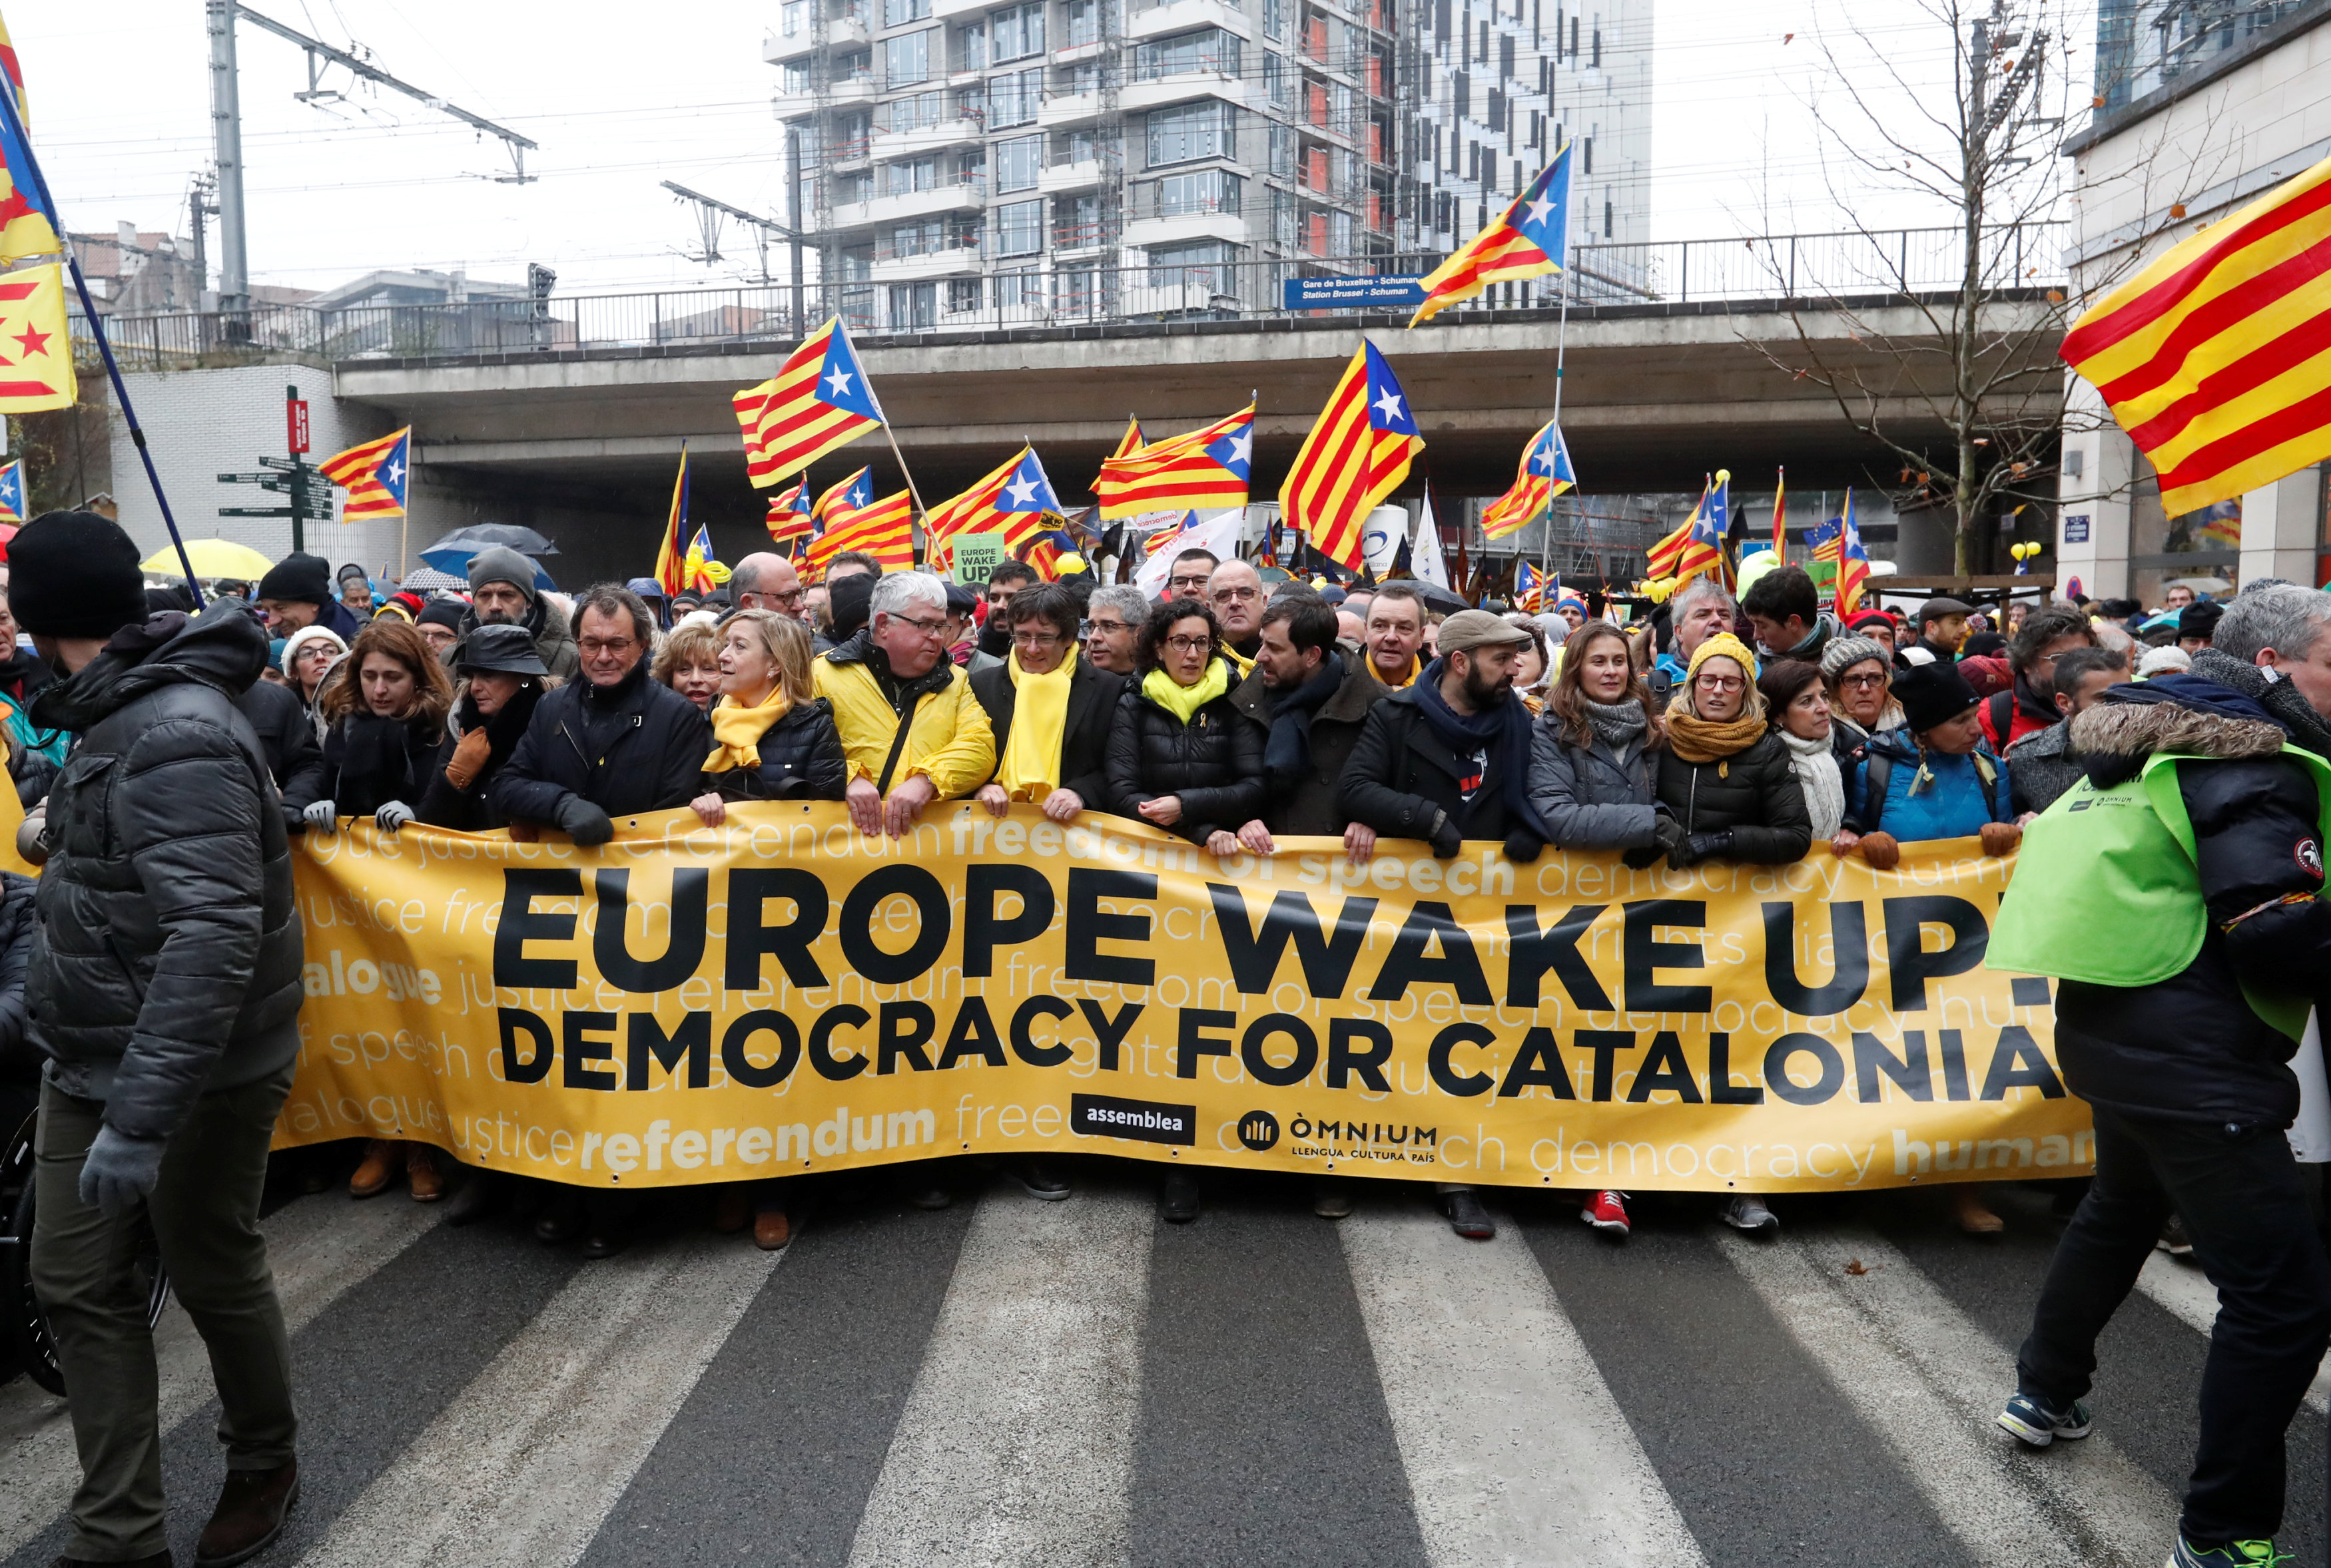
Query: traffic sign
{"x": 282, "y": 464}
{"x": 242, "y": 479}
{"x": 255, "y": 511}
{"x": 295, "y": 420}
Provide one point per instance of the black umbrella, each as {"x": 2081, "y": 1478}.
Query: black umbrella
{"x": 1437, "y": 597}
{"x": 481, "y": 535}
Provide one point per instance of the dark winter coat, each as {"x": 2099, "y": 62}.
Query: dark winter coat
{"x": 2041, "y": 767}
{"x": 1593, "y": 797}
{"x": 636, "y": 746}
{"x": 287, "y": 737}
{"x": 466, "y": 811}
{"x": 1215, "y": 763}
{"x": 1093, "y": 696}
{"x": 20, "y": 1058}
{"x": 1406, "y": 783}
{"x": 1311, "y": 806}
{"x": 1753, "y": 795}
{"x": 800, "y": 760}
{"x": 369, "y": 761}
{"x": 2188, "y": 1048}
{"x": 168, "y": 962}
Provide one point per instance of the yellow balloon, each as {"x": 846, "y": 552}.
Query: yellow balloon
{"x": 1068, "y": 564}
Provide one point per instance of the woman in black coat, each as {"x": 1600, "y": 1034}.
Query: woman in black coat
{"x": 503, "y": 677}
{"x": 384, "y": 708}
{"x": 1725, "y": 776}
{"x": 774, "y": 740}
{"x": 1182, "y": 757}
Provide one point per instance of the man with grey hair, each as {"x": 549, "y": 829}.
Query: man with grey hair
{"x": 911, "y": 726}
{"x": 762, "y": 580}
{"x": 1697, "y": 613}
{"x": 1113, "y": 619}
{"x": 2269, "y": 646}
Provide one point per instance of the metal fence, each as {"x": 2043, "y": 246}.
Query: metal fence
{"x": 1057, "y": 292}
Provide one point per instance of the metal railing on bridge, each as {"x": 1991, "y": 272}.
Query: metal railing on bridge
{"x": 1063, "y": 293}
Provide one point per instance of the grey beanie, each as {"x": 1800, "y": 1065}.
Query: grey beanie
{"x": 1844, "y": 652}
{"x": 500, "y": 564}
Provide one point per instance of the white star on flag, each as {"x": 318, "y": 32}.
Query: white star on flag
{"x": 394, "y": 471}
{"x": 839, "y": 381}
{"x": 1541, "y": 209}
{"x": 1242, "y": 445}
{"x": 1391, "y": 406}
{"x": 1023, "y": 492}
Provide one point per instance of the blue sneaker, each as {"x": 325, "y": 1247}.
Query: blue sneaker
{"x": 2037, "y": 1426}
{"x": 2229, "y": 1554}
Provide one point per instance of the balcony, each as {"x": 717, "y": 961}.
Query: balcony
{"x": 1069, "y": 108}
{"x": 940, "y": 8}
{"x": 1076, "y": 239}
{"x": 1181, "y": 88}
{"x": 953, "y": 260}
{"x": 847, "y": 31}
{"x": 1184, "y": 16}
{"x": 925, "y": 137}
{"x": 1143, "y": 233}
{"x": 1068, "y": 176}
{"x": 852, "y": 89}
{"x": 961, "y": 196}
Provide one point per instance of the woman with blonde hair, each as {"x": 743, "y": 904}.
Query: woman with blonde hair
{"x": 690, "y": 663}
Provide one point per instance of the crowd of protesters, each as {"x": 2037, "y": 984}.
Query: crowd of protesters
{"x": 1232, "y": 711}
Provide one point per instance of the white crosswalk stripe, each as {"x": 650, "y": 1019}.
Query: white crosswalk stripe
{"x": 319, "y": 1249}
{"x": 1929, "y": 1381}
{"x": 521, "y": 1468}
{"x": 2187, "y": 1294}
{"x": 1509, "y": 1435}
{"x": 1016, "y": 1444}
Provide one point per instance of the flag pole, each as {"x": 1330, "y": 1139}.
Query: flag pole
{"x": 48, "y": 204}
{"x": 1561, "y": 344}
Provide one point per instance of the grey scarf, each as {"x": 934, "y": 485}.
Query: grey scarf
{"x": 1617, "y": 724}
{"x": 2279, "y": 698}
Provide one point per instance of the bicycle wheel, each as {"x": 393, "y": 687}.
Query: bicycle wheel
{"x": 28, "y": 1323}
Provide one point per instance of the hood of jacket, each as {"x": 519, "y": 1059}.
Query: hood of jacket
{"x": 2129, "y": 731}
{"x": 224, "y": 647}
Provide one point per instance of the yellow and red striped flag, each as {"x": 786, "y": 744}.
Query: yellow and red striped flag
{"x": 27, "y": 228}
{"x": 36, "y": 367}
{"x": 1206, "y": 468}
{"x": 1544, "y": 473}
{"x": 374, "y": 475}
{"x": 2216, "y": 359}
{"x": 820, "y": 400}
{"x": 1661, "y": 560}
{"x": 789, "y": 516}
{"x": 1132, "y": 441}
{"x": 1356, "y": 454}
{"x": 1525, "y": 241}
{"x": 884, "y": 530}
{"x": 1780, "y": 513}
{"x": 849, "y": 495}
{"x": 671, "y": 555}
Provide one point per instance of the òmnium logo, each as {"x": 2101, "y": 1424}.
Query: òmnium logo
{"x": 1099, "y": 1116}
{"x": 1258, "y": 1130}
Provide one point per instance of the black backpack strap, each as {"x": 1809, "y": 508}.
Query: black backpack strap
{"x": 898, "y": 746}
{"x": 2003, "y": 716}
{"x": 1875, "y": 779}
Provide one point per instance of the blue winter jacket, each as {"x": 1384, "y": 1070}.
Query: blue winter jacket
{"x": 1955, "y": 805}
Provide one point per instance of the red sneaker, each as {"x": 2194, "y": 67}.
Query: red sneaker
{"x": 1605, "y": 1212}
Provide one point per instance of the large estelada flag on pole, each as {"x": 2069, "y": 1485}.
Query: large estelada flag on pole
{"x": 1525, "y": 241}
{"x": 819, "y": 401}
{"x": 27, "y": 228}
{"x": 2216, "y": 359}
{"x": 376, "y": 475}
{"x": 671, "y": 555}
{"x": 1703, "y": 543}
{"x": 1546, "y": 473}
{"x": 1206, "y": 470}
{"x": 1356, "y": 454}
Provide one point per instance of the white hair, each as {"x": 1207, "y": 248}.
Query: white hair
{"x": 1700, "y": 587}
{"x": 896, "y": 591}
{"x": 2286, "y": 618}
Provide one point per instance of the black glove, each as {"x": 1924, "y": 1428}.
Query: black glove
{"x": 295, "y": 820}
{"x": 1699, "y": 847}
{"x": 1444, "y": 839}
{"x": 1667, "y": 836}
{"x": 1523, "y": 846}
{"x": 582, "y": 822}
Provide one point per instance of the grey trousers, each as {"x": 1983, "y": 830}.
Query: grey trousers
{"x": 204, "y": 1213}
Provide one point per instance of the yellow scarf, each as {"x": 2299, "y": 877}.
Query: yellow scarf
{"x": 1031, "y": 765}
{"x": 1183, "y": 701}
{"x": 739, "y": 729}
{"x": 1415, "y": 667}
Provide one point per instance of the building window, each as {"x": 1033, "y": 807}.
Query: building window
{"x": 1019, "y": 229}
{"x": 1076, "y": 147}
{"x": 1204, "y": 265}
{"x": 1274, "y": 18}
{"x": 792, "y": 18}
{"x": 849, "y": 188}
{"x": 1084, "y": 22}
{"x": 914, "y": 307}
{"x": 1076, "y": 221}
{"x": 919, "y": 112}
{"x": 1073, "y": 291}
{"x": 899, "y": 13}
{"x": 796, "y": 77}
{"x": 909, "y": 174}
{"x": 1018, "y": 162}
{"x": 906, "y": 60}
{"x": 1199, "y": 191}
{"x": 1013, "y": 97}
{"x": 1278, "y": 80}
{"x": 1606, "y": 217}
{"x": 1018, "y": 32}
{"x": 962, "y": 296}
{"x": 1209, "y": 49}
{"x": 973, "y": 46}
{"x": 1194, "y": 130}
{"x": 1282, "y": 151}
{"x": 1020, "y": 290}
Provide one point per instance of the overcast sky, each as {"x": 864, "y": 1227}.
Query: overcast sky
{"x": 621, "y": 97}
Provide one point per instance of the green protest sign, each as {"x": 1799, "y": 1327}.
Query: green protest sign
{"x": 976, "y": 554}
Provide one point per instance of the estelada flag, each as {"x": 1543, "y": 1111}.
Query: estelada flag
{"x": 376, "y": 475}
{"x": 1703, "y": 544}
{"x": 1853, "y": 564}
{"x": 856, "y": 491}
{"x": 671, "y": 555}
{"x": 819, "y": 401}
{"x": 1356, "y": 454}
{"x": 976, "y": 511}
{"x": 12, "y": 491}
{"x": 1529, "y": 591}
{"x": 28, "y": 226}
{"x": 884, "y": 529}
{"x": 1206, "y": 468}
{"x": 1525, "y": 241}
{"x": 36, "y": 368}
{"x": 1544, "y": 473}
{"x": 789, "y": 515}
{"x": 2216, "y": 359}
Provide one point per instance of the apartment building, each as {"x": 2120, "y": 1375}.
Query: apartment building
{"x": 961, "y": 161}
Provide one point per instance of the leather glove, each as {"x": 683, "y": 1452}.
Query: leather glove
{"x": 1522, "y": 846}
{"x": 584, "y": 822}
{"x": 470, "y": 754}
{"x": 2001, "y": 838}
{"x": 1883, "y": 852}
{"x": 322, "y": 817}
{"x": 118, "y": 1171}
{"x": 392, "y": 817}
{"x": 1699, "y": 847}
{"x": 1445, "y": 841}
{"x": 1667, "y": 837}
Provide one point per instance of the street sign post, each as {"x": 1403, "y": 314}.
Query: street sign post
{"x": 309, "y": 492}
{"x": 257, "y": 512}
{"x": 295, "y": 420}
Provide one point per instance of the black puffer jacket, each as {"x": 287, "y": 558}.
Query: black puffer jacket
{"x": 635, "y": 747}
{"x": 468, "y": 811}
{"x": 167, "y": 963}
{"x": 800, "y": 760}
{"x": 288, "y": 737}
{"x": 1213, "y": 763}
{"x": 1753, "y": 795}
{"x": 370, "y": 761}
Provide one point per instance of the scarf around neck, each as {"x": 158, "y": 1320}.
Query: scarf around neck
{"x": 739, "y": 729}
{"x": 1030, "y": 768}
{"x": 1619, "y": 724}
{"x": 1815, "y": 765}
{"x": 1183, "y": 701}
{"x": 1287, "y": 755}
{"x": 1700, "y": 740}
{"x": 1503, "y": 732}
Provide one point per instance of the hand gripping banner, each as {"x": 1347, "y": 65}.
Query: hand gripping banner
{"x": 782, "y": 995}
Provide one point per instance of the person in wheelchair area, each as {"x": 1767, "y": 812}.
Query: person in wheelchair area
{"x": 163, "y": 988}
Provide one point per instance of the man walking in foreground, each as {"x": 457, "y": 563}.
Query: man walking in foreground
{"x": 165, "y": 991}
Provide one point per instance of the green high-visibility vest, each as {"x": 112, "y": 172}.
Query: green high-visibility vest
{"x": 2106, "y": 890}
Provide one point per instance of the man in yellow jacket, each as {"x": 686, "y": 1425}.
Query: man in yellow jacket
{"x": 911, "y": 726}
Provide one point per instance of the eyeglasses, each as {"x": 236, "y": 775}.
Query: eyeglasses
{"x": 1864, "y": 682}
{"x": 1197, "y": 582}
{"x": 1237, "y": 595}
{"x": 608, "y": 644}
{"x": 927, "y": 628}
{"x": 1189, "y": 645}
{"x": 1111, "y": 627}
{"x": 788, "y": 598}
{"x": 1034, "y": 640}
{"x": 1718, "y": 682}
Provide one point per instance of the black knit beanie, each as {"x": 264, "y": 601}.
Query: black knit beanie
{"x": 298, "y": 577}
{"x": 75, "y": 575}
{"x": 1933, "y": 694}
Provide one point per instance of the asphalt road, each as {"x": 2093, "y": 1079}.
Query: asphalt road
{"x": 1010, "y": 1382}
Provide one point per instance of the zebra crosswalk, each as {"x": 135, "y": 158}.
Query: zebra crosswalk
{"x": 1012, "y": 1381}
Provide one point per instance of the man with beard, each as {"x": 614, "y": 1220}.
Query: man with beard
{"x": 502, "y": 593}
{"x": 1446, "y": 760}
{"x": 996, "y": 638}
{"x": 2029, "y": 706}
{"x": 1312, "y": 700}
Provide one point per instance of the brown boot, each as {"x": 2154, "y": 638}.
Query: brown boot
{"x": 730, "y": 1209}
{"x": 1973, "y": 1215}
{"x": 381, "y": 1160}
{"x": 248, "y": 1516}
{"x": 420, "y": 1174}
{"x": 771, "y": 1229}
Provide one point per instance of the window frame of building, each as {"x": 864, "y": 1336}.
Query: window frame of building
{"x": 1171, "y": 266}
{"x": 1014, "y": 97}
{"x": 1202, "y": 48}
{"x": 963, "y": 296}
{"x": 1202, "y": 192}
{"x": 1018, "y": 163}
{"x": 1182, "y": 134}
{"x": 910, "y": 176}
{"x": 1081, "y": 23}
{"x": 1019, "y": 28}
{"x": 971, "y": 45}
{"x": 904, "y": 52}
{"x": 1019, "y": 228}
{"x": 905, "y": 13}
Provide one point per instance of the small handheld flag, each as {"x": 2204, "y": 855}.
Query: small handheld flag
{"x": 789, "y": 516}
{"x": 699, "y": 571}
{"x": 1703, "y": 546}
{"x": 1206, "y": 468}
{"x": 819, "y": 401}
{"x": 1852, "y": 563}
{"x": 884, "y": 529}
{"x": 1525, "y": 241}
{"x": 1357, "y": 453}
{"x": 856, "y": 491}
{"x": 1546, "y": 473}
{"x": 376, "y": 475}
{"x": 671, "y": 555}
{"x": 1529, "y": 590}
{"x": 11, "y": 484}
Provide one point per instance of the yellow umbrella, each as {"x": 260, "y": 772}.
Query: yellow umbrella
{"x": 211, "y": 558}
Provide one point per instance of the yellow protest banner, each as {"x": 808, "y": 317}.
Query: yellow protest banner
{"x": 783, "y": 994}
